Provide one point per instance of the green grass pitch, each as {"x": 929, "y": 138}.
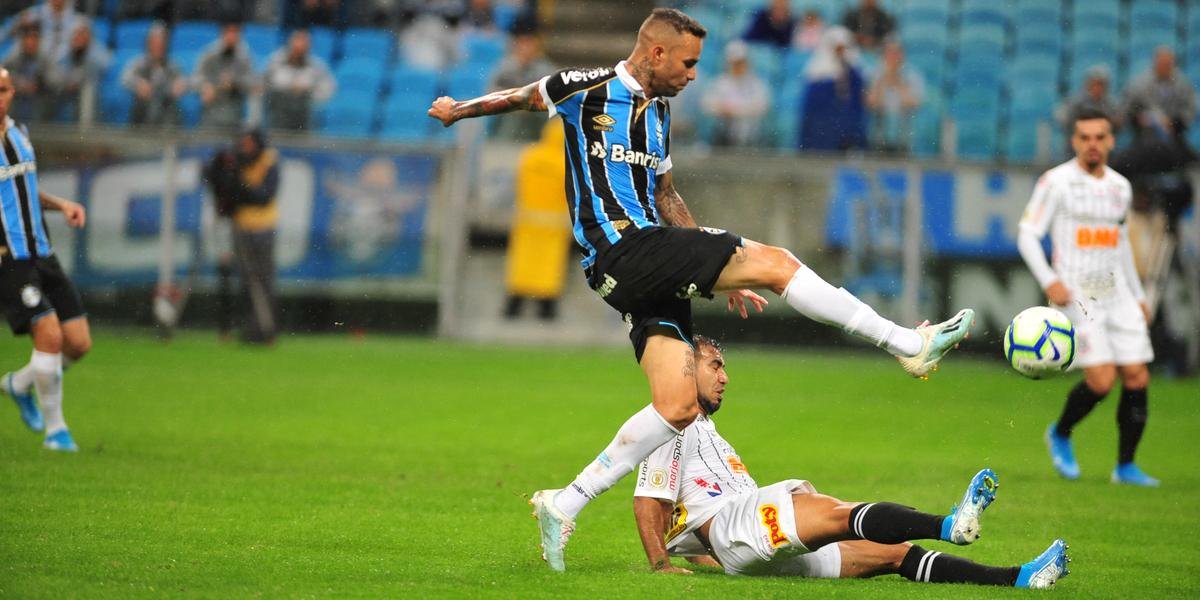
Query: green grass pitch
{"x": 396, "y": 467}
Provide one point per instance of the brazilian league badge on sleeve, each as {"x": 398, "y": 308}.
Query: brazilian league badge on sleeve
{"x": 712, "y": 230}
{"x": 31, "y": 296}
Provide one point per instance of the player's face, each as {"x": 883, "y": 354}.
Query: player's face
{"x": 676, "y": 65}
{"x": 710, "y": 379}
{"x": 6, "y": 92}
{"x": 1092, "y": 141}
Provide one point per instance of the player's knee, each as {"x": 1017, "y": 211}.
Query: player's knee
{"x": 47, "y": 338}
{"x": 782, "y": 266}
{"x": 1100, "y": 381}
{"x": 77, "y": 348}
{"x": 1135, "y": 378}
{"x": 678, "y": 414}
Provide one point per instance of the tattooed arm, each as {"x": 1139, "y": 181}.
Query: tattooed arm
{"x": 448, "y": 110}
{"x": 670, "y": 205}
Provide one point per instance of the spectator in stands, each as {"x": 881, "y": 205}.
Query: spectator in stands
{"x": 524, "y": 62}
{"x": 294, "y": 81}
{"x": 155, "y": 81}
{"x": 76, "y": 72}
{"x": 869, "y": 23}
{"x": 738, "y": 99}
{"x": 1162, "y": 98}
{"x": 808, "y": 33}
{"x": 772, "y": 24}
{"x": 1093, "y": 96}
{"x": 311, "y": 13}
{"x": 431, "y": 40}
{"x": 478, "y": 16}
{"x": 894, "y": 97}
{"x": 834, "y": 112}
{"x": 30, "y": 72}
{"x": 225, "y": 78}
{"x": 55, "y": 20}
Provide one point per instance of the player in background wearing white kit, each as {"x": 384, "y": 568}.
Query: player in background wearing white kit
{"x": 1083, "y": 204}
{"x": 696, "y": 490}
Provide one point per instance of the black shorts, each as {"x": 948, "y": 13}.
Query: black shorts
{"x": 31, "y": 289}
{"x": 652, "y": 274}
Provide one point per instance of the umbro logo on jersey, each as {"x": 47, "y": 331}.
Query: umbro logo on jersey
{"x": 598, "y": 150}
{"x": 603, "y": 122}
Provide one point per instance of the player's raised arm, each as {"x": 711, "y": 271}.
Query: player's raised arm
{"x": 448, "y": 110}
{"x": 653, "y": 515}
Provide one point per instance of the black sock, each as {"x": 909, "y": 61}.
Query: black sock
{"x": 888, "y": 523}
{"x": 934, "y": 567}
{"x": 1080, "y": 401}
{"x": 1131, "y": 421}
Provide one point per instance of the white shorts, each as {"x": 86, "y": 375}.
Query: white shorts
{"x": 755, "y": 534}
{"x": 1112, "y": 332}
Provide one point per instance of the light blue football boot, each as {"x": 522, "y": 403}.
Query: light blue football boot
{"x": 556, "y": 528}
{"x": 1130, "y": 474}
{"x": 1050, "y": 566}
{"x": 26, "y": 403}
{"x": 60, "y": 441}
{"x": 1062, "y": 454}
{"x": 939, "y": 339}
{"x": 962, "y": 525}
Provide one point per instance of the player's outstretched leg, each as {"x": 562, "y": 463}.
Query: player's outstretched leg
{"x": 556, "y": 528}
{"x": 26, "y": 402}
{"x": 1047, "y": 568}
{"x": 962, "y": 526}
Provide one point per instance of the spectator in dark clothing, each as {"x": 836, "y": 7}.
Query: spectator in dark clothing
{"x": 1093, "y": 96}
{"x": 311, "y": 13}
{"x": 30, "y": 72}
{"x": 834, "y": 116}
{"x": 772, "y": 25}
{"x": 869, "y": 24}
{"x": 76, "y": 72}
{"x": 155, "y": 82}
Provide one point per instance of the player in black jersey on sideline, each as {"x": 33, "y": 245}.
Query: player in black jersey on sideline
{"x": 645, "y": 255}
{"x": 36, "y": 296}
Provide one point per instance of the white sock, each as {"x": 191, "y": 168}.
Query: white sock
{"x": 642, "y": 434}
{"x": 47, "y": 379}
{"x": 816, "y": 299}
{"x": 22, "y": 378}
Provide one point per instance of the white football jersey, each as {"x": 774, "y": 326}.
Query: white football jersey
{"x": 699, "y": 471}
{"x": 1085, "y": 217}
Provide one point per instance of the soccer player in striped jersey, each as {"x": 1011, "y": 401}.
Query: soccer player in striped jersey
{"x": 696, "y": 498}
{"x": 645, "y": 256}
{"x": 36, "y": 295}
{"x": 1082, "y": 204}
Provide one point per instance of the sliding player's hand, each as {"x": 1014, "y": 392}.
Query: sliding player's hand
{"x": 75, "y": 214}
{"x": 443, "y": 110}
{"x": 738, "y": 298}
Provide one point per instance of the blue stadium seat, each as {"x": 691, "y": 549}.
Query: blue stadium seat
{"x": 1096, "y": 7}
{"x": 479, "y": 47}
{"x": 367, "y": 42}
{"x": 935, "y": 32}
{"x": 928, "y": 11}
{"x": 193, "y": 35}
{"x": 927, "y": 128}
{"x": 324, "y": 43}
{"x": 1020, "y": 143}
{"x": 262, "y": 41}
{"x": 360, "y": 74}
{"x": 350, "y": 113}
{"x": 712, "y": 20}
{"x": 465, "y": 84}
{"x": 189, "y": 108}
{"x": 1097, "y": 15}
{"x": 404, "y": 119}
{"x": 131, "y": 33}
{"x": 976, "y": 103}
{"x": 504, "y": 15}
{"x": 481, "y": 71}
{"x": 186, "y": 60}
{"x": 977, "y": 138}
{"x": 1032, "y": 102}
{"x": 1024, "y": 72}
{"x": 407, "y": 80}
{"x": 766, "y": 60}
{"x": 989, "y": 34}
{"x": 1037, "y": 11}
{"x": 101, "y": 31}
{"x": 1193, "y": 24}
{"x": 984, "y": 12}
{"x": 1154, "y": 14}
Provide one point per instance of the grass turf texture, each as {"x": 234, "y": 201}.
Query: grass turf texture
{"x": 393, "y": 467}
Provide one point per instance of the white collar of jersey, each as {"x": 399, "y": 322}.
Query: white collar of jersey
{"x": 629, "y": 81}
{"x": 8, "y": 122}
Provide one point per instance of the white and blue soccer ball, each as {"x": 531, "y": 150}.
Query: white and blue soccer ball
{"x": 1040, "y": 342}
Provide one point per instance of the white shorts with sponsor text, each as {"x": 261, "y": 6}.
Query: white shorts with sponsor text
{"x": 755, "y": 534}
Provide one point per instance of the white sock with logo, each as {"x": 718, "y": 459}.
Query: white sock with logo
{"x": 642, "y": 434}
{"x": 816, "y": 299}
{"x": 47, "y": 379}
{"x": 22, "y": 379}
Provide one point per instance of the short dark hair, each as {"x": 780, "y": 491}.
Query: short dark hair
{"x": 678, "y": 21}
{"x": 701, "y": 341}
{"x": 1088, "y": 113}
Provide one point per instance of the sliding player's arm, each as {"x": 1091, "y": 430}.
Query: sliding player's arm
{"x": 448, "y": 110}
{"x": 653, "y": 517}
{"x": 74, "y": 212}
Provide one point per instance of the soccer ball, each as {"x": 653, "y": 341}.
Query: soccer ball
{"x": 1040, "y": 342}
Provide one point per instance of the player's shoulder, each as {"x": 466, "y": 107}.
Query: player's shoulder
{"x": 1057, "y": 175}
{"x": 566, "y": 82}
{"x": 1113, "y": 176}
